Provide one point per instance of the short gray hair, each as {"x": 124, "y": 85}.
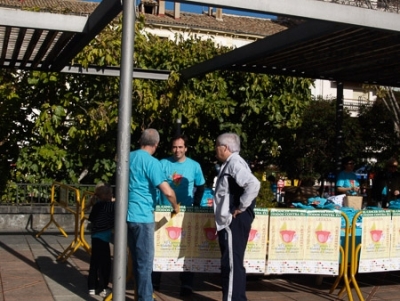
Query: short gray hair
{"x": 230, "y": 140}
{"x": 149, "y": 137}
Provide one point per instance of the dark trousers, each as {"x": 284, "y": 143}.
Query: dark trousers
{"x": 232, "y": 242}
{"x": 100, "y": 265}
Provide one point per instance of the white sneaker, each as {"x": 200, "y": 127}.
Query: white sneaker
{"x": 104, "y": 293}
{"x": 92, "y": 292}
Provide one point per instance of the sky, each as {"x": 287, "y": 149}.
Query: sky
{"x": 191, "y": 8}
{"x": 199, "y": 9}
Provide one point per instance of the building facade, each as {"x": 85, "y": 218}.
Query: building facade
{"x": 237, "y": 31}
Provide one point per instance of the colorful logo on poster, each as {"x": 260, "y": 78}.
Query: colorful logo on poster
{"x": 210, "y": 231}
{"x": 376, "y": 235}
{"x": 174, "y": 233}
{"x": 287, "y": 236}
{"x": 322, "y": 235}
{"x": 252, "y": 235}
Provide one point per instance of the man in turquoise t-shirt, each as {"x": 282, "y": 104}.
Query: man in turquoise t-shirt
{"x": 346, "y": 181}
{"x": 187, "y": 180}
{"x": 184, "y": 175}
{"x": 145, "y": 177}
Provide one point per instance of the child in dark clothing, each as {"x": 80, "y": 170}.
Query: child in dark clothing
{"x": 102, "y": 220}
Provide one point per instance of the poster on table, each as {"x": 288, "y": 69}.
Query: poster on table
{"x": 322, "y": 242}
{"x": 395, "y": 241}
{"x": 255, "y": 255}
{"x": 286, "y": 241}
{"x": 189, "y": 241}
{"x": 375, "y": 240}
{"x": 173, "y": 240}
{"x": 206, "y": 253}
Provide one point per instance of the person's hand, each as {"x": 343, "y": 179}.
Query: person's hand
{"x": 396, "y": 192}
{"x": 176, "y": 210}
{"x": 237, "y": 211}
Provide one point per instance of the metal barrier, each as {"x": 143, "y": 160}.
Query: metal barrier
{"x": 27, "y": 194}
{"x": 357, "y": 242}
{"x": 62, "y": 199}
{"x": 344, "y": 266}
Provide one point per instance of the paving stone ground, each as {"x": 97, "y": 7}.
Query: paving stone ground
{"x": 29, "y": 271}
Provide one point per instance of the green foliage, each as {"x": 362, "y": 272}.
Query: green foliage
{"x": 378, "y": 133}
{"x": 73, "y": 119}
{"x": 265, "y": 196}
{"x": 308, "y": 152}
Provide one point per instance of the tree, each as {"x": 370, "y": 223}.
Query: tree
{"x": 379, "y": 133}
{"x": 14, "y": 125}
{"x": 74, "y": 117}
{"x": 309, "y": 150}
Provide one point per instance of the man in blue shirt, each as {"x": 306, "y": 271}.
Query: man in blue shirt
{"x": 186, "y": 179}
{"x": 145, "y": 176}
{"x": 346, "y": 181}
{"x": 184, "y": 175}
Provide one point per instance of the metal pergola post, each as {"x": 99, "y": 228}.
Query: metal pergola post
{"x": 123, "y": 149}
{"x": 339, "y": 126}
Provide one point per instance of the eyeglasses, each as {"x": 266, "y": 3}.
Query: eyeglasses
{"x": 350, "y": 163}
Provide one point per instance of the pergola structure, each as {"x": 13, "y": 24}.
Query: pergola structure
{"x": 335, "y": 42}
{"x": 49, "y": 41}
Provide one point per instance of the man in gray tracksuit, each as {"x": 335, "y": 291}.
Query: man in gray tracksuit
{"x": 234, "y": 201}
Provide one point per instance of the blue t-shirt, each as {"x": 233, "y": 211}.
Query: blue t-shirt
{"x": 347, "y": 179}
{"x": 103, "y": 235}
{"x": 145, "y": 174}
{"x": 182, "y": 177}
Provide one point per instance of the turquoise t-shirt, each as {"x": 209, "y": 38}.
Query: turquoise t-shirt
{"x": 103, "y": 235}
{"x": 145, "y": 174}
{"x": 347, "y": 179}
{"x": 182, "y": 177}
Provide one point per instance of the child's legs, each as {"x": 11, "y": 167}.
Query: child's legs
{"x": 95, "y": 260}
{"x": 104, "y": 266}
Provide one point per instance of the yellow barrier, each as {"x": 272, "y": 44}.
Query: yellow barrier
{"x": 343, "y": 272}
{"x": 79, "y": 239}
{"x": 83, "y": 218}
{"x": 354, "y": 258}
{"x": 79, "y": 217}
{"x": 63, "y": 202}
{"x": 386, "y": 218}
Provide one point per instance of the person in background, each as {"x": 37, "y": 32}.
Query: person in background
{"x": 145, "y": 176}
{"x": 187, "y": 180}
{"x": 93, "y": 199}
{"x": 346, "y": 182}
{"x": 102, "y": 222}
{"x": 386, "y": 184}
{"x": 272, "y": 184}
{"x": 234, "y": 201}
